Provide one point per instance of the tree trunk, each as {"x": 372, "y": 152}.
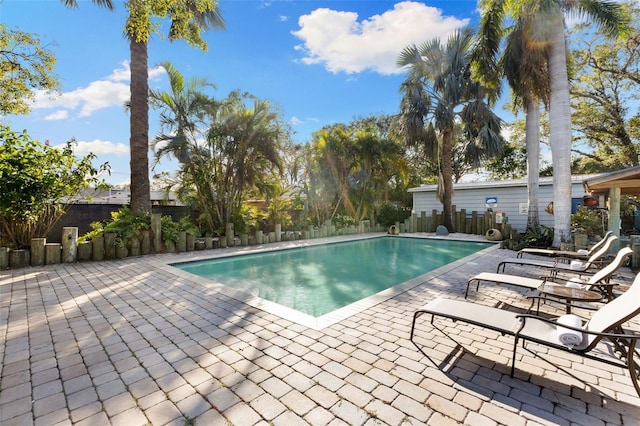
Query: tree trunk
{"x": 139, "y": 128}
{"x": 533, "y": 163}
{"x": 447, "y": 180}
{"x": 560, "y": 129}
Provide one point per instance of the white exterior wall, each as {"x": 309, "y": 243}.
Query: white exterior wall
{"x": 510, "y": 194}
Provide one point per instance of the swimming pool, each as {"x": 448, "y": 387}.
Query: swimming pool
{"x": 321, "y": 279}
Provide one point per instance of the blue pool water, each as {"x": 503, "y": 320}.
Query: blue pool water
{"x": 320, "y": 279}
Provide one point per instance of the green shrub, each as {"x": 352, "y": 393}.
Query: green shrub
{"x": 542, "y": 238}
{"x": 390, "y": 214}
{"x": 125, "y": 224}
{"x": 185, "y": 224}
{"x": 35, "y": 181}
{"x": 97, "y": 229}
{"x": 343, "y": 221}
{"x": 169, "y": 230}
{"x": 588, "y": 221}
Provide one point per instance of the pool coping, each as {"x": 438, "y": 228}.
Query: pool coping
{"x": 326, "y": 320}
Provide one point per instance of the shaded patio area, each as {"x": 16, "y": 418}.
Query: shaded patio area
{"x": 130, "y": 342}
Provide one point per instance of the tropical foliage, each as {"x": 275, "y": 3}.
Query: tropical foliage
{"x": 35, "y": 182}
{"x": 439, "y": 92}
{"x": 524, "y": 63}
{"x": 225, "y": 148}
{"x": 544, "y": 23}
{"x": 188, "y": 20}
{"x": 353, "y": 169}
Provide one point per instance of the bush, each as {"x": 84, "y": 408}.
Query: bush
{"x": 588, "y": 221}
{"x": 126, "y": 225}
{"x": 169, "y": 230}
{"x": 185, "y": 224}
{"x": 35, "y": 182}
{"x": 123, "y": 223}
{"x": 343, "y": 221}
{"x": 541, "y": 238}
{"x": 391, "y": 213}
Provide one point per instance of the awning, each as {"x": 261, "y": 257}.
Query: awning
{"x": 628, "y": 180}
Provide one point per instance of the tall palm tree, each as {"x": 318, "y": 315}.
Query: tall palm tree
{"x": 188, "y": 19}
{"x": 440, "y": 91}
{"x": 524, "y": 63}
{"x": 548, "y": 17}
{"x": 609, "y": 16}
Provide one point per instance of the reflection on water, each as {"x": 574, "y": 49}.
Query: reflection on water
{"x": 320, "y": 279}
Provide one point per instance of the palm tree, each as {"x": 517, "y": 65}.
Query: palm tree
{"x": 524, "y": 64}
{"x": 378, "y": 161}
{"x": 548, "y": 17}
{"x": 242, "y": 147}
{"x": 439, "y": 89}
{"x": 188, "y": 19}
{"x": 335, "y": 157}
{"x": 102, "y": 3}
{"x": 610, "y": 18}
{"x": 182, "y": 112}
{"x": 225, "y": 148}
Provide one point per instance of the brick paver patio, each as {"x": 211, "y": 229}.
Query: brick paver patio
{"x": 130, "y": 342}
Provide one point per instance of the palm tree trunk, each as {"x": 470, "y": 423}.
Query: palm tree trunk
{"x": 447, "y": 180}
{"x": 560, "y": 129}
{"x": 139, "y": 128}
{"x": 533, "y": 162}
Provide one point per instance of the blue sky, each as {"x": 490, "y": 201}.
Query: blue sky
{"x": 320, "y": 62}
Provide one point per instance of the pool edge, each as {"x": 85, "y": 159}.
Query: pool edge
{"x": 297, "y": 317}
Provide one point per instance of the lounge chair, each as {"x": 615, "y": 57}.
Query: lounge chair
{"x": 599, "y": 280}
{"x": 605, "y": 324}
{"x": 562, "y": 264}
{"x": 582, "y": 255}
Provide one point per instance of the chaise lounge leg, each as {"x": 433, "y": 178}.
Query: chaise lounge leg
{"x": 413, "y": 324}
{"x": 469, "y": 283}
{"x": 634, "y": 370}
{"x": 513, "y": 357}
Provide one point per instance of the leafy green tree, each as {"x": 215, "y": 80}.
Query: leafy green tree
{"x": 605, "y": 87}
{"x": 25, "y": 66}
{"x": 35, "y": 182}
{"x": 189, "y": 18}
{"x": 438, "y": 92}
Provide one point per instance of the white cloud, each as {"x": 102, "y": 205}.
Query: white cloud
{"x": 283, "y": 18}
{"x": 58, "y": 115}
{"x": 342, "y": 43}
{"x": 156, "y": 72}
{"x": 295, "y": 121}
{"x": 111, "y": 91}
{"x": 100, "y": 147}
{"x": 121, "y": 74}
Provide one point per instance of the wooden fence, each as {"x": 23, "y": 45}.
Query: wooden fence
{"x": 475, "y": 223}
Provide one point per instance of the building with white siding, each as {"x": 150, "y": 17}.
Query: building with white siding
{"x": 508, "y": 196}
